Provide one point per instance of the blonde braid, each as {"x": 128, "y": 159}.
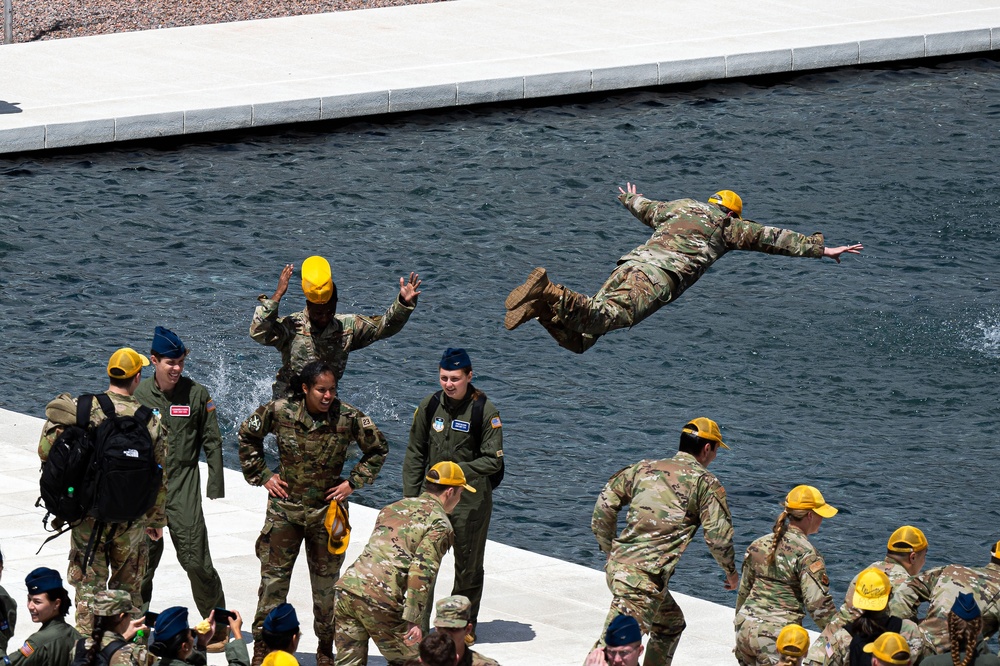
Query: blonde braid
{"x": 780, "y": 527}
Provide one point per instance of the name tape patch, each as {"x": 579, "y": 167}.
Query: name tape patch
{"x": 180, "y": 410}
{"x": 461, "y": 426}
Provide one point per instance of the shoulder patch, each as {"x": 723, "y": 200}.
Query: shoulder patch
{"x": 817, "y": 566}
{"x": 366, "y": 422}
{"x": 210, "y": 405}
{"x": 720, "y": 493}
{"x": 27, "y": 649}
{"x": 500, "y": 453}
{"x": 495, "y": 422}
{"x": 255, "y": 422}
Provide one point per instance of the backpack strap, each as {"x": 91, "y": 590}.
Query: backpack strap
{"x": 143, "y": 414}
{"x": 83, "y": 405}
{"x": 108, "y": 652}
{"x": 477, "y": 422}
{"x": 432, "y": 407}
{"x": 107, "y": 406}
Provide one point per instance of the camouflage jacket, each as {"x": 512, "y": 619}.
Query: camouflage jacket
{"x": 397, "y": 569}
{"x": 470, "y": 658}
{"x": 940, "y": 587}
{"x": 311, "y": 451}
{"x": 293, "y": 337}
{"x": 61, "y": 412}
{"x": 192, "y": 425}
{"x": 448, "y": 437}
{"x": 781, "y": 593}
{"x": 127, "y": 655}
{"x": 689, "y": 236}
{"x": 668, "y": 500}
{"x": 833, "y": 646}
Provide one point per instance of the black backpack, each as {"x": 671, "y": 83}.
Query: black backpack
{"x": 475, "y": 429}
{"x": 64, "y": 484}
{"x": 103, "y": 657}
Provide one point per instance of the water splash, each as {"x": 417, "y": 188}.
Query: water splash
{"x": 989, "y": 343}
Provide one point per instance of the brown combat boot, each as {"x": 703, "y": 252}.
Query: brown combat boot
{"x": 524, "y": 312}
{"x": 324, "y": 652}
{"x": 217, "y": 643}
{"x": 529, "y": 291}
{"x": 259, "y": 652}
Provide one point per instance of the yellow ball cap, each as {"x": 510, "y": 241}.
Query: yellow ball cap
{"x": 729, "y": 199}
{"x": 996, "y": 550}
{"x": 706, "y": 429}
{"x": 793, "y": 641}
{"x": 890, "y": 648}
{"x": 280, "y": 658}
{"x": 808, "y": 497}
{"x": 125, "y": 363}
{"x": 907, "y": 539}
{"x": 448, "y": 473}
{"x": 871, "y": 592}
{"x": 338, "y": 527}
{"x": 317, "y": 280}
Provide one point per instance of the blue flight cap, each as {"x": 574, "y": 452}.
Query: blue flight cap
{"x": 166, "y": 344}
{"x": 965, "y": 607}
{"x": 623, "y": 630}
{"x": 455, "y": 359}
{"x": 43, "y": 579}
{"x": 282, "y": 619}
{"x": 171, "y": 622}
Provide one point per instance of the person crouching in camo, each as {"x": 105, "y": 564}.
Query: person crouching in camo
{"x": 313, "y": 430}
{"x": 783, "y": 577}
{"x": 110, "y": 644}
{"x": 459, "y": 423}
{"x": 122, "y": 564}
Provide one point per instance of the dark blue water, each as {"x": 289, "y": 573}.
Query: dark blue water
{"x": 874, "y": 380}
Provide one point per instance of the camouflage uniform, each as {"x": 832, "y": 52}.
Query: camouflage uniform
{"x": 192, "y": 425}
{"x": 8, "y": 618}
{"x": 293, "y": 337}
{"x": 449, "y": 438}
{"x": 897, "y": 574}
{"x": 833, "y": 647}
{"x": 940, "y": 587}
{"x": 52, "y": 645}
{"x": 128, "y": 655}
{"x": 311, "y": 453}
{"x": 668, "y": 500}
{"x": 470, "y": 658}
{"x": 689, "y": 236}
{"x": 391, "y": 583}
{"x": 771, "y": 597}
{"x": 122, "y": 565}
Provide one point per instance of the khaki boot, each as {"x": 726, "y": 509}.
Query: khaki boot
{"x": 532, "y": 289}
{"x": 217, "y": 643}
{"x": 324, "y": 652}
{"x": 259, "y": 652}
{"x": 524, "y": 312}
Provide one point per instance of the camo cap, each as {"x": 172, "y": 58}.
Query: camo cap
{"x": 108, "y": 603}
{"x": 453, "y": 612}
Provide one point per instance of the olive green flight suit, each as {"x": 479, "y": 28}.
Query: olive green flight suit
{"x": 52, "y": 645}
{"x": 8, "y": 618}
{"x": 449, "y": 437}
{"x": 192, "y": 425}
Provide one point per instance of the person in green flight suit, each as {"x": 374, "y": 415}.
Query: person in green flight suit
{"x": 48, "y": 604}
{"x": 445, "y": 428}
{"x": 8, "y": 614}
{"x": 192, "y": 426}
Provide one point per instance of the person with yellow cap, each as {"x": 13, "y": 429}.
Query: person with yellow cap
{"x": 688, "y": 237}
{"x": 889, "y": 649}
{"x": 792, "y": 644}
{"x": 382, "y": 595}
{"x": 940, "y": 587}
{"x": 121, "y": 563}
{"x": 313, "y": 430}
{"x": 843, "y": 645}
{"x": 318, "y": 333}
{"x": 784, "y": 576}
{"x": 668, "y": 501}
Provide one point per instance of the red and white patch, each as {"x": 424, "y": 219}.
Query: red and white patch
{"x": 180, "y": 410}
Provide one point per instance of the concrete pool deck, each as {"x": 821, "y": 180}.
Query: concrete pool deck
{"x": 170, "y": 82}
{"x": 536, "y": 609}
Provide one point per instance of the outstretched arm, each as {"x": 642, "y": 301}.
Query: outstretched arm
{"x": 409, "y": 290}
{"x": 286, "y": 275}
{"x": 835, "y": 252}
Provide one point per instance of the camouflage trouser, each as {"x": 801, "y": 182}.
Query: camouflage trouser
{"x": 190, "y": 538}
{"x": 633, "y": 292}
{"x": 644, "y": 596}
{"x": 757, "y": 641}
{"x": 118, "y": 565}
{"x": 357, "y": 621}
{"x": 287, "y": 524}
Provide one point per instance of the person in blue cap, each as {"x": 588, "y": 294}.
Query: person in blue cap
{"x": 188, "y": 411}
{"x": 48, "y": 604}
{"x": 623, "y": 644}
{"x": 8, "y": 614}
{"x": 281, "y": 631}
{"x": 175, "y": 643}
{"x": 459, "y": 423}
{"x": 965, "y": 635}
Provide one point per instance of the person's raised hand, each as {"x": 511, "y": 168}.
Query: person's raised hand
{"x": 409, "y": 289}
{"x": 286, "y": 275}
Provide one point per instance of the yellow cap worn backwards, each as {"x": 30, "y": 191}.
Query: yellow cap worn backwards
{"x": 338, "y": 527}
{"x": 705, "y": 429}
{"x": 996, "y": 550}
{"x": 907, "y": 539}
{"x": 871, "y": 592}
{"x": 126, "y": 363}
{"x": 729, "y": 199}
{"x": 890, "y": 648}
{"x": 808, "y": 497}
{"x": 793, "y": 641}
{"x": 448, "y": 473}
{"x": 317, "y": 280}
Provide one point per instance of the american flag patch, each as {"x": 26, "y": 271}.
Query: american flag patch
{"x": 210, "y": 405}
{"x": 27, "y": 649}
{"x": 495, "y": 422}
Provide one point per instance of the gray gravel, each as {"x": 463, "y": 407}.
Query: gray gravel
{"x": 54, "y": 19}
